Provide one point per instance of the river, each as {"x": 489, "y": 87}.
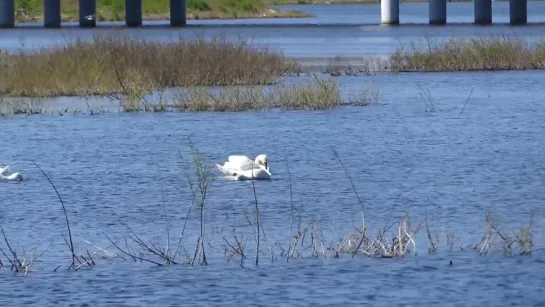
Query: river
{"x": 404, "y": 154}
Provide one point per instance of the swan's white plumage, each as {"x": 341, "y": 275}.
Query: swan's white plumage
{"x": 243, "y": 168}
{"x": 244, "y": 163}
{"x": 256, "y": 173}
{"x": 3, "y": 170}
{"x": 12, "y": 177}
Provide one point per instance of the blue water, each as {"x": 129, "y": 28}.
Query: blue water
{"x": 122, "y": 169}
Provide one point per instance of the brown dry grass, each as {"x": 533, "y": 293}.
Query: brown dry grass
{"x": 489, "y": 53}
{"x": 102, "y": 65}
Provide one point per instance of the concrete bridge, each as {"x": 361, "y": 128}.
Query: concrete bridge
{"x": 482, "y": 10}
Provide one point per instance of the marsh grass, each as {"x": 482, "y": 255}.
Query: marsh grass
{"x": 478, "y": 54}
{"x": 101, "y": 65}
{"x": 20, "y": 107}
{"x": 315, "y": 94}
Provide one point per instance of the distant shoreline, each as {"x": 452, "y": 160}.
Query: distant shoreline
{"x": 114, "y": 10}
{"x": 161, "y": 10}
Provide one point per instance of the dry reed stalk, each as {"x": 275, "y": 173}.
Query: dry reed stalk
{"x": 524, "y": 238}
{"x": 237, "y": 248}
{"x": 82, "y": 260}
{"x": 18, "y": 264}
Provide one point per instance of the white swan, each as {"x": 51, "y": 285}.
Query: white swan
{"x": 243, "y": 168}
{"x": 12, "y": 177}
{"x": 244, "y": 163}
{"x": 4, "y": 170}
{"x": 255, "y": 174}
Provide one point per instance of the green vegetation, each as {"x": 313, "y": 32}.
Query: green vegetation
{"x": 491, "y": 53}
{"x": 114, "y": 10}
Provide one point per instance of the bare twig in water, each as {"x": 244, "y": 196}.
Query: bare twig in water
{"x": 291, "y": 208}
{"x": 237, "y": 248}
{"x": 164, "y": 212}
{"x": 352, "y": 185}
{"x": 20, "y": 265}
{"x": 426, "y": 96}
{"x": 70, "y": 241}
{"x": 524, "y": 238}
{"x": 204, "y": 177}
{"x": 467, "y": 100}
{"x": 434, "y": 244}
{"x": 135, "y": 257}
{"x": 257, "y": 220}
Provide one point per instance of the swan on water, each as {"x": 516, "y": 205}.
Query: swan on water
{"x": 255, "y": 174}
{"x": 12, "y": 177}
{"x": 243, "y": 168}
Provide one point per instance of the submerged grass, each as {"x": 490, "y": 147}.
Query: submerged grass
{"x": 315, "y": 94}
{"x": 478, "y": 54}
{"x": 109, "y": 64}
{"x": 19, "y": 107}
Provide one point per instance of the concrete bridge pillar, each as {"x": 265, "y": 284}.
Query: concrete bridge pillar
{"x": 389, "y": 12}
{"x": 7, "y": 14}
{"x": 133, "y": 13}
{"x": 483, "y": 11}
{"x": 178, "y": 13}
{"x": 438, "y": 12}
{"x": 52, "y": 13}
{"x": 87, "y": 13}
{"x": 518, "y": 12}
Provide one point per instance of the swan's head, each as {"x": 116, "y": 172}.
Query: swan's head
{"x": 261, "y": 160}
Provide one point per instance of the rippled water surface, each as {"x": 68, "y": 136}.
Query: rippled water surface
{"x": 408, "y": 153}
{"x": 110, "y": 170}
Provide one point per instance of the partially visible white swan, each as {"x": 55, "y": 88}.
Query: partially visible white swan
{"x": 255, "y": 174}
{"x": 244, "y": 163}
{"x": 12, "y": 177}
{"x": 243, "y": 168}
{"x": 4, "y": 170}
